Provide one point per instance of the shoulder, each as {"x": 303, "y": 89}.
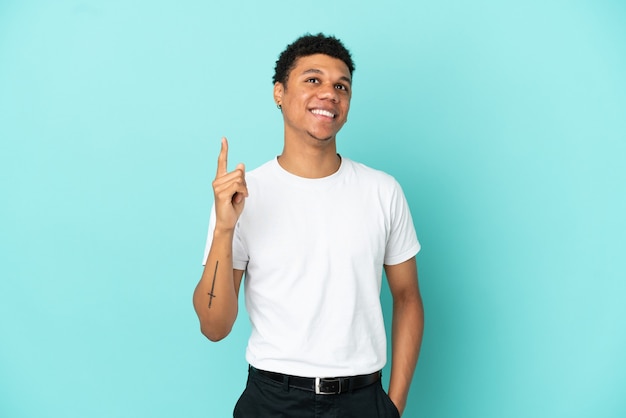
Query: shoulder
{"x": 371, "y": 175}
{"x": 262, "y": 169}
{"x": 264, "y": 172}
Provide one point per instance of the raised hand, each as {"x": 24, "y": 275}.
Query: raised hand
{"x": 230, "y": 191}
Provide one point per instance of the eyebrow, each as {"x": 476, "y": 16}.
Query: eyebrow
{"x": 316, "y": 71}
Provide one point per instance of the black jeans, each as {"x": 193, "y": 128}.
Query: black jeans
{"x": 266, "y": 398}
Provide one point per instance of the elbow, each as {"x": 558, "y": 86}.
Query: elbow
{"x": 214, "y": 334}
{"x": 217, "y": 325}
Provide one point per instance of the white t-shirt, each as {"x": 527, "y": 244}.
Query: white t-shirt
{"x": 313, "y": 251}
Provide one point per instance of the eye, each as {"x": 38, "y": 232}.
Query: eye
{"x": 312, "y": 80}
{"x": 340, "y": 87}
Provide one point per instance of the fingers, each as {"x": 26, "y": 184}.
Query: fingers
{"x": 222, "y": 159}
{"x": 231, "y": 186}
{"x": 223, "y": 176}
{"x": 230, "y": 189}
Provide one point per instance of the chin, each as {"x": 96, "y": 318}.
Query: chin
{"x": 322, "y": 137}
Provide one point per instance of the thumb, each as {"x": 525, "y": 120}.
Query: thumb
{"x": 239, "y": 197}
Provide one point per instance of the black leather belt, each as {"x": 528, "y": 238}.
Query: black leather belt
{"x": 322, "y": 385}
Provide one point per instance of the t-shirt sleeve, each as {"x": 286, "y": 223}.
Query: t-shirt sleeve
{"x": 402, "y": 243}
{"x": 240, "y": 256}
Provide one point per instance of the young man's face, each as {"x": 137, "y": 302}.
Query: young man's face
{"x": 316, "y": 98}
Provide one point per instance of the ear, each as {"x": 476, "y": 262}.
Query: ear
{"x": 279, "y": 90}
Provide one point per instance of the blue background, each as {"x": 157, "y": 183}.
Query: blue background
{"x": 505, "y": 122}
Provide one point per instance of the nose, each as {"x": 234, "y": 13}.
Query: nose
{"x": 329, "y": 92}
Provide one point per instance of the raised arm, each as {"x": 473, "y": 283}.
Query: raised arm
{"x": 216, "y": 295}
{"x": 407, "y": 328}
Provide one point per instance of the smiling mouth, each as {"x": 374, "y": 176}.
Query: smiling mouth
{"x": 322, "y": 112}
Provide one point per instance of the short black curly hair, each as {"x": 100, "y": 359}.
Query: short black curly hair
{"x": 309, "y": 45}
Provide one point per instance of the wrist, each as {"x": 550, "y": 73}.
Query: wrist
{"x": 399, "y": 405}
{"x": 221, "y": 231}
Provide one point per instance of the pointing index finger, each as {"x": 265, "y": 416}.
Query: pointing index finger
{"x": 222, "y": 160}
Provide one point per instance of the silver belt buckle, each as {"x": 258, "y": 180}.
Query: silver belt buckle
{"x": 318, "y": 386}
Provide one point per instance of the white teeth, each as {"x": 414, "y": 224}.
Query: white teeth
{"x": 323, "y": 113}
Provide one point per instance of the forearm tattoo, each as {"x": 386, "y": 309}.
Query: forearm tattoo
{"x": 211, "y": 294}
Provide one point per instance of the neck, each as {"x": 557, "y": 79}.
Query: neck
{"x": 311, "y": 161}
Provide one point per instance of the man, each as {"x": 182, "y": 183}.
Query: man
{"x": 316, "y": 232}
